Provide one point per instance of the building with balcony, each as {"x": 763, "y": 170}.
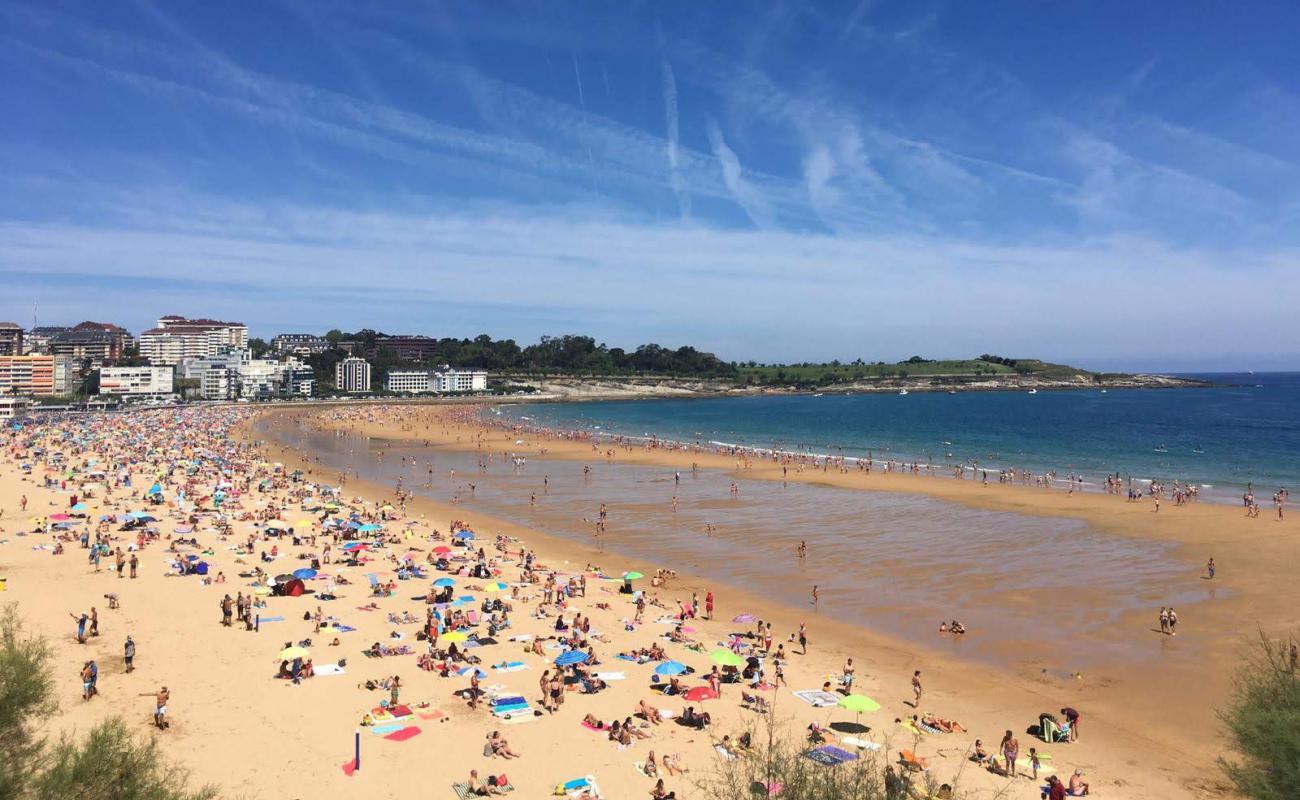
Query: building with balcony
{"x": 11, "y": 339}
{"x": 177, "y": 338}
{"x": 352, "y": 375}
{"x": 37, "y": 376}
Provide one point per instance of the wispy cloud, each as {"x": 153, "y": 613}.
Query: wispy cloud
{"x": 745, "y": 193}
{"x": 673, "y": 136}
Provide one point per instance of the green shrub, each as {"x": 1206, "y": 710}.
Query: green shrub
{"x": 1263, "y": 724}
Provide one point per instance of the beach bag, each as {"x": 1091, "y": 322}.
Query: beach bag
{"x": 487, "y": 751}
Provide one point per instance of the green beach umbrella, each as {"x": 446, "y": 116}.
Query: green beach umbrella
{"x": 632, "y": 576}
{"x": 858, "y": 704}
{"x": 726, "y": 658}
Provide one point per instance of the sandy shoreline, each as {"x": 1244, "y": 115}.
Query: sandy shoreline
{"x": 258, "y": 737}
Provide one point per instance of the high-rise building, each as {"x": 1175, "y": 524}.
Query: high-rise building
{"x": 352, "y": 375}
{"x": 177, "y": 338}
{"x": 11, "y": 339}
{"x": 40, "y": 376}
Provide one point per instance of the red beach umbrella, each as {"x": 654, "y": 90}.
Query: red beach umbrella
{"x": 700, "y": 693}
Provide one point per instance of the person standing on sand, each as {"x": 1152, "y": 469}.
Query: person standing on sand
{"x": 708, "y": 604}
{"x": 81, "y": 626}
{"x": 917, "y": 690}
{"x": 1209, "y": 569}
{"x": 1164, "y": 620}
{"x": 160, "y": 707}
{"x": 128, "y": 653}
{"x": 1010, "y": 751}
{"x": 803, "y": 639}
{"x": 1173, "y": 622}
{"x": 94, "y": 621}
{"x": 135, "y": 563}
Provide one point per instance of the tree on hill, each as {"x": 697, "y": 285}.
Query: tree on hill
{"x": 107, "y": 764}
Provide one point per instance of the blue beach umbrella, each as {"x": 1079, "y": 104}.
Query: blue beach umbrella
{"x": 368, "y": 528}
{"x": 467, "y": 671}
{"x": 670, "y": 668}
{"x": 571, "y": 657}
{"x": 304, "y": 574}
{"x": 463, "y": 535}
{"x": 442, "y": 583}
{"x": 80, "y": 507}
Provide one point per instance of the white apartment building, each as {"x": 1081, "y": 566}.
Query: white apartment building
{"x": 177, "y": 338}
{"x": 136, "y": 380}
{"x": 352, "y": 374}
{"x": 444, "y": 381}
{"x": 450, "y": 381}
{"x": 412, "y": 381}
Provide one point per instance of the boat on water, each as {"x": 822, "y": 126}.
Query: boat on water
{"x": 1162, "y": 449}
{"x": 1033, "y": 391}
{"x": 1200, "y": 451}
{"x": 820, "y": 394}
{"x": 902, "y": 391}
{"x": 952, "y": 391}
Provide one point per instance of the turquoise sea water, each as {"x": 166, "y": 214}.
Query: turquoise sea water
{"x": 1246, "y": 429}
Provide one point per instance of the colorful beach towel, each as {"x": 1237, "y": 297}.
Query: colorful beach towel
{"x": 409, "y": 732}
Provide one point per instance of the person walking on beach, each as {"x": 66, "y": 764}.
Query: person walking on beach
{"x": 1173, "y": 622}
{"x": 1209, "y": 570}
{"x": 1164, "y": 620}
{"x": 708, "y": 604}
{"x": 814, "y": 595}
{"x": 134, "y": 564}
{"x": 94, "y": 621}
{"x": 917, "y": 690}
{"x": 128, "y": 653}
{"x": 803, "y": 639}
{"x": 1010, "y": 751}
{"x": 89, "y": 676}
{"x": 227, "y": 610}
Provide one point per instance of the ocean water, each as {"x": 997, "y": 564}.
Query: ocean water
{"x": 1246, "y": 429}
{"x": 896, "y": 563}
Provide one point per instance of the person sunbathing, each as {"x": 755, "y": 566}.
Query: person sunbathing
{"x": 591, "y": 721}
{"x": 979, "y": 755}
{"x": 659, "y": 793}
{"x": 478, "y": 788}
{"x": 672, "y": 764}
{"x": 635, "y": 731}
{"x": 945, "y": 725}
{"x": 1078, "y": 786}
{"x": 648, "y": 713}
{"x": 500, "y": 746}
{"x": 650, "y": 769}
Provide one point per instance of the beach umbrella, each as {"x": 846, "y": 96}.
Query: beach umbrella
{"x": 858, "y": 704}
{"x": 670, "y": 668}
{"x": 306, "y": 573}
{"x": 454, "y": 636}
{"x": 632, "y": 576}
{"x": 283, "y": 578}
{"x": 369, "y": 527}
{"x": 302, "y": 523}
{"x": 80, "y": 507}
{"x": 726, "y": 658}
{"x": 290, "y": 653}
{"x": 496, "y": 586}
{"x": 698, "y": 693}
{"x": 356, "y": 545}
{"x": 442, "y": 549}
{"x": 571, "y": 657}
{"x": 465, "y": 672}
{"x": 466, "y": 535}
{"x": 442, "y": 583}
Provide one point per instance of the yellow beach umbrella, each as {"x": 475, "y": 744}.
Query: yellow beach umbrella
{"x": 290, "y": 653}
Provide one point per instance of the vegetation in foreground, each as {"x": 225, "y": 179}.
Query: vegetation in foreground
{"x": 108, "y": 763}
{"x": 1263, "y": 723}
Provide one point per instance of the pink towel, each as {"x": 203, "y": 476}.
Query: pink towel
{"x": 404, "y": 734}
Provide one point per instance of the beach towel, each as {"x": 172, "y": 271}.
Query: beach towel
{"x": 335, "y": 628}
{"x": 928, "y": 728}
{"x": 519, "y": 719}
{"x": 611, "y": 676}
{"x": 330, "y": 669}
{"x": 908, "y": 726}
{"x": 830, "y": 755}
{"x": 513, "y": 666}
{"x": 382, "y": 730}
{"x": 862, "y": 744}
{"x": 264, "y": 620}
{"x": 435, "y": 714}
{"x": 591, "y": 727}
{"x": 722, "y": 752}
{"x": 409, "y": 732}
{"x": 1045, "y": 766}
{"x": 818, "y": 698}
{"x": 462, "y": 790}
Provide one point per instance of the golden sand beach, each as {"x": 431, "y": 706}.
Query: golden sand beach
{"x": 1148, "y": 724}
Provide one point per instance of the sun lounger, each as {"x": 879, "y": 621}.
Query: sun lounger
{"x": 912, "y": 761}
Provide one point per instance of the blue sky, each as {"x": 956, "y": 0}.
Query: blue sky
{"x": 1111, "y": 184}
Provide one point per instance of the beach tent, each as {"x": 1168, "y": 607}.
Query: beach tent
{"x": 294, "y": 588}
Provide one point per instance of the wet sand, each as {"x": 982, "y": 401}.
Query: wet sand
{"x": 1156, "y": 701}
